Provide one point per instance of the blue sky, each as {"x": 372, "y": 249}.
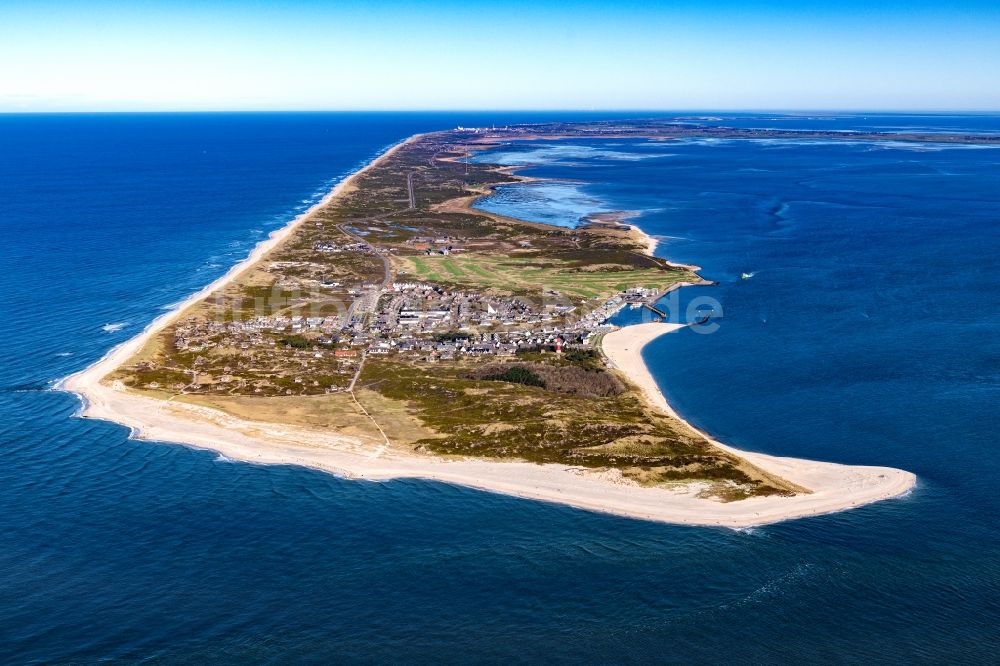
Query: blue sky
{"x": 547, "y": 54}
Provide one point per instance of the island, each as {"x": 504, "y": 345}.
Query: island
{"x": 396, "y": 331}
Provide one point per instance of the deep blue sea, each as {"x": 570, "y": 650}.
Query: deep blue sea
{"x": 868, "y": 333}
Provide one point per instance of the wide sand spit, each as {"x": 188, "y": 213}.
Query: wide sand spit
{"x": 833, "y": 487}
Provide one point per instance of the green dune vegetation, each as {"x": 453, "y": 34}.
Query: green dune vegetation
{"x": 396, "y": 312}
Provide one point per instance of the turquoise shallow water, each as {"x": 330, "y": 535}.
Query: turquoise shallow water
{"x": 867, "y": 334}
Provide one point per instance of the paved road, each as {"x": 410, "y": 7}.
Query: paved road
{"x": 370, "y": 299}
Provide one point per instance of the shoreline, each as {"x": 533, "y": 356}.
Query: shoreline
{"x": 835, "y": 487}
{"x": 176, "y": 309}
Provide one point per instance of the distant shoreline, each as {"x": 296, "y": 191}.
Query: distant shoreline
{"x": 834, "y": 487}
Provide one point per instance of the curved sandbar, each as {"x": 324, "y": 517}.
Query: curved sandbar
{"x": 835, "y": 487}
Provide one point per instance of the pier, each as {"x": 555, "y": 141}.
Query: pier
{"x": 655, "y": 310}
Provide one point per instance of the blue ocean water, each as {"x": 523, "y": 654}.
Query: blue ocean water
{"x": 867, "y": 334}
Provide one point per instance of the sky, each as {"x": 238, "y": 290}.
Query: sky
{"x": 546, "y": 54}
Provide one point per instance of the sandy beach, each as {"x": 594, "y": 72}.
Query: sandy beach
{"x": 833, "y": 487}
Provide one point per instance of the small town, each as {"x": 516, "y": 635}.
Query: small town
{"x": 419, "y": 321}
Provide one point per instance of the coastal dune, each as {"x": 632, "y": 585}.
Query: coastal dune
{"x": 832, "y": 487}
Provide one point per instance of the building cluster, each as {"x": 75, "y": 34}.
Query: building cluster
{"x": 194, "y": 334}
{"x": 419, "y": 320}
{"x": 446, "y": 348}
{"x": 336, "y": 248}
{"x": 434, "y": 245}
{"x": 414, "y": 307}
{"x": 482, "y": 130}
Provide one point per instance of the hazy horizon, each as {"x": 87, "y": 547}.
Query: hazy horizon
{"x": 305, "y": 55}
{"x": 692, "y": 112}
